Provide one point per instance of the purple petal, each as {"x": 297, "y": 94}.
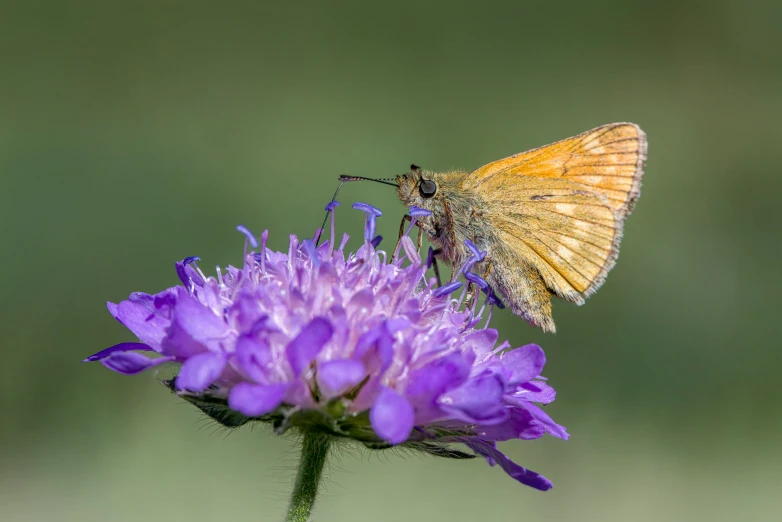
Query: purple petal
{"x": 121, "y": 347}
{"x": 149, "y": 327}
{"x": 552, "y": 428}
{"x": 249, "y": 235}
{"x": 362, "y": 300}
{"x": 426, "y": 384}
{"x": 376, "y": 241}
{"x": 418, "y": 212}
{"x": 337, "y": 377}
{"x": 410, "y": 250}
{"x": 525, "y": 362}
{"x": 397, "y": 324}
{"x": 246, "y": 310}
{"x": 495, "y": 456}
{"x": 520, "y": 424}
{"x": 131, "y": 363}
{"x": 186, "y": 273}
{"x": 479, "y": 400}
{"x": 199, "y": 371}
{"x": 308, "y": 246}
{"x": 481, "y": 342}
{"x": 528, "y": 386}
{"x": 141, "y": 297}
{"x": 200, "y": 323}
{"x": 165, "y": 301}
{"x": 254, "y": 357}
{"x": 113, "y": 309}
{"x": 302, "y": 350}
{"x": 375, "y": 348}
{"x": 369, "y": 209}
{"x": 392, "y": 417}
{"x": 544, "y": 393}
{"x": 255, "y": 400}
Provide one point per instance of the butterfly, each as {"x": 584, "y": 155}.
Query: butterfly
{"x": 550, "y": 219}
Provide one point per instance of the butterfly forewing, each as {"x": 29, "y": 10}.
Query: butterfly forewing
{"x": 607, "y": 160}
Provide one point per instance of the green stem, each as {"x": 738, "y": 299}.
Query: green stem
{"x": 315, "y": 449}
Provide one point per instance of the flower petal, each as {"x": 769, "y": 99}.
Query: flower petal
{"x": 246, "y": 310}
{"x": 112, "y": 309}
{"x": 254, "y": 357}
{"x": 495, "y": 456}
{"x": 410, "y": 250}
{"x": 552, "y": 428}
{"x": 200, "y": 323}
{"x": 199, "y": 371}
{"x": 479, "y": 400}
{"x": 544, "y": 393}
{"x": 337, "y": 377}
{"x": 255, "y": 400}
{"x": 302, "y": 350}
{"x": 130, "y": 363}
{"x": 375, "y": 348}
{"x": 392, "y": 417}
{"x": 426, "y": 384}
{"x": 526, "y": 362}
{"x": 481, "y": 342}
{"x": 141, "y": 319}
{"x": 186, "y": 273}
{"x": 121, "y": 347}
{"x": 520, "y": 424}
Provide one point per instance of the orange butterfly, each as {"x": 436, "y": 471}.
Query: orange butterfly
{"x": 550, "y": 219}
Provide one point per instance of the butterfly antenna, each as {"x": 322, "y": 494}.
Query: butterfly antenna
{"x": 333, "y": 199}
{"x": 385, "y": 181}
{"x": 345, "y": 178}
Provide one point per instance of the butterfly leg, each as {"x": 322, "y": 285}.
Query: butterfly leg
{"x": 436, "y": 267}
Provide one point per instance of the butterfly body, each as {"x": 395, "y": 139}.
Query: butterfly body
{"x": 550, "y": 219}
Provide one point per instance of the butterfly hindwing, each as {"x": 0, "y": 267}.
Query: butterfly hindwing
{"x": 569, "y": 235}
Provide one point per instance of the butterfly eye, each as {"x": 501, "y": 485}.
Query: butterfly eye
{"x": 427, "y": 188}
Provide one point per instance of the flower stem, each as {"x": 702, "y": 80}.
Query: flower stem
{"x": 315, "y": 449}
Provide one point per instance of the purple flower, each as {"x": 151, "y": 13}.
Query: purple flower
{"x": 357, "y": 345}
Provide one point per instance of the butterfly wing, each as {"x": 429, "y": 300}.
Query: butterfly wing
{"x": 607, "y": 160}
{"x": 569, "y": 235}
{"x": 561, "y": 209}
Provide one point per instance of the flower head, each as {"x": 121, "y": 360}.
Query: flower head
{"x": 356, "y": 345}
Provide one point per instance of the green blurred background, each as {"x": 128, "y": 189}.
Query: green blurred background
{"x": 133, "y": 134}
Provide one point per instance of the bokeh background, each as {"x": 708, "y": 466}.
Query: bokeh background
{"x": 133, "y": 134}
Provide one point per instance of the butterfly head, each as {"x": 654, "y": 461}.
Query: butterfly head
{"x": 418, "y": 188}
